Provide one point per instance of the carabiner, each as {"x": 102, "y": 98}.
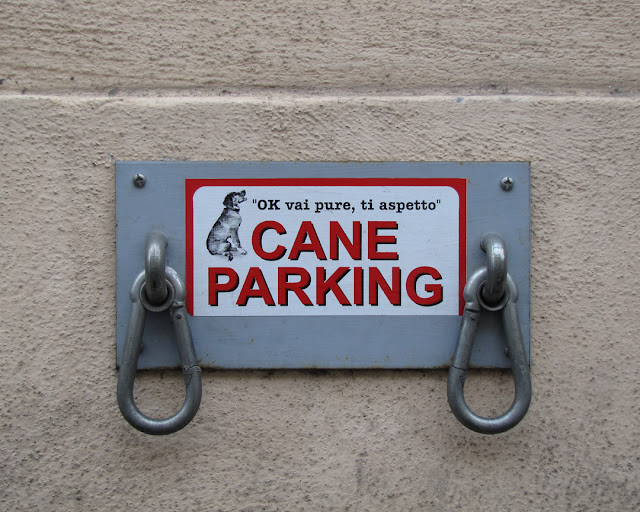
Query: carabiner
{"x": 474, "y": 304}
{"x": 174, "y": 302}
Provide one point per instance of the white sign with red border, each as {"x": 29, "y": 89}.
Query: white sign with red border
{"x": 325, "y": 246}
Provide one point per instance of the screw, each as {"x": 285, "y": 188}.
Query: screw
{"x": 507, "y": 183}
{"x": 139, "y": 180}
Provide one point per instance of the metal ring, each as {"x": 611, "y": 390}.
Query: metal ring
{"x": 146, "y": 302}
{"x": 494, "y": 307}
{"x": 154, "y": 267}
{"x": 494, "y": 246}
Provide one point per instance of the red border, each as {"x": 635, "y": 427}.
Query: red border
{"x": 458, "y": 184}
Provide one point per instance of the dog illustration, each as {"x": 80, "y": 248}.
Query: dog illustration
{"x": 223, "y": 237}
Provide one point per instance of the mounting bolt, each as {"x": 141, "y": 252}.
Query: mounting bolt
{"x": 139, "y": 180}
{"x": 507, "y": 183}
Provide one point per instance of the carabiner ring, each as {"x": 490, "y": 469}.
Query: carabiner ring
{"x": 154, "y": 265}
{"x": 494, "y": 246}
{"x": 175, "y": 304}
{"x": 517, "y": 354}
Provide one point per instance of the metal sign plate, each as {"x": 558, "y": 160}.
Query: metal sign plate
{"x": 322, "y": 265}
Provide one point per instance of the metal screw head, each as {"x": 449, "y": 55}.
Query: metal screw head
{"x": 139, "y": 180}
{"x": 507, "y": 183}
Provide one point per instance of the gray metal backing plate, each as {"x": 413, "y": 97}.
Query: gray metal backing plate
{"x": 319, "y": 342}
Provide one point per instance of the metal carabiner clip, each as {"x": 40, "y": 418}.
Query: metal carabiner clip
{"x": 174, "y": 302}
{"x": 475, "y": 302}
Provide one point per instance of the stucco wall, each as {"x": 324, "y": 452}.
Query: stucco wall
{"x": 86, "y": 84}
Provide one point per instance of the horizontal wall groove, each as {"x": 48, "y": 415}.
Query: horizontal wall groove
{"x": 290, "y": 97}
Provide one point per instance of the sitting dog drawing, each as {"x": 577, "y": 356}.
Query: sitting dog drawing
{"x": 223, "y": 237}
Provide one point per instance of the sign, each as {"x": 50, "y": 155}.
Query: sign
{"x": 306, "y": 247}
{"x": 321, "y": 264}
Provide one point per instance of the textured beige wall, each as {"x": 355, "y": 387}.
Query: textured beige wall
{"x": 374, "y": 77}
{"x": 360, "y": 45}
